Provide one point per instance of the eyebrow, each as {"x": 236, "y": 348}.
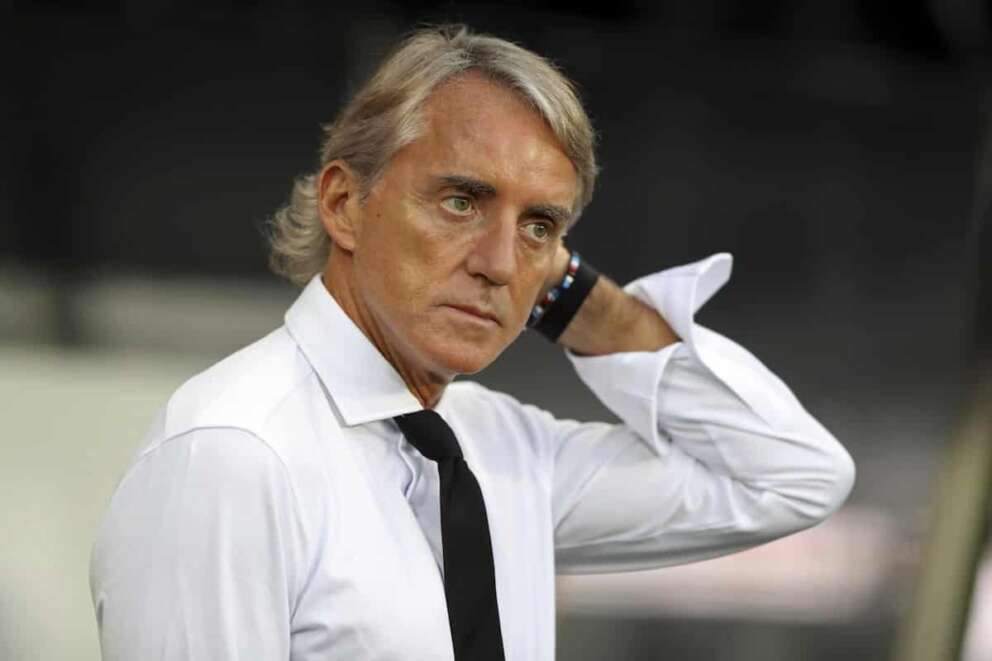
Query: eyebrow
{"x": 559, "y": 215}
{"x": 468, "y": 185}
{"x": 482, "y": 189}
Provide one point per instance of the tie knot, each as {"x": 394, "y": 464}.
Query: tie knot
{"x": 430, "y": 434}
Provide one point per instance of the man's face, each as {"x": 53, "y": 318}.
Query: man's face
{"x": 459, "y": 233}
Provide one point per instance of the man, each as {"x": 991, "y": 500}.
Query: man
{"x": 329, "y": 493}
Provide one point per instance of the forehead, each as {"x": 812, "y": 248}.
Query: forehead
{"x": 475, "y": 127}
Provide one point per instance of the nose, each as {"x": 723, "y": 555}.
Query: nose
{"x": 494, "y": 254}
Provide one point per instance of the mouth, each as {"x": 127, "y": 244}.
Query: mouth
{"x": 477, "y": 314}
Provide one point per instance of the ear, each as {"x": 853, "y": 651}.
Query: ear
{"x": 338, "y": 202}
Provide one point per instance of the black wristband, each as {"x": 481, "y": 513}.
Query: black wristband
{"x": 556, "y": 318}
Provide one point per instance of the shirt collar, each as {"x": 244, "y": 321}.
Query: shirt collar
{"x": 361, "y": 382}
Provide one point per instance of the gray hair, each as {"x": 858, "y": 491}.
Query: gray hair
{"x": 384, "y": 116}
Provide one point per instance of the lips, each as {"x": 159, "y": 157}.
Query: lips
{"x": 478, "y": 312}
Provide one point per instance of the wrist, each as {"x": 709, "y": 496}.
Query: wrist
{"x": 612, "y": 321}
{"x": 554, "y": 312}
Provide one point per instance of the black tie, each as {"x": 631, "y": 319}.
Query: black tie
{"x": 469, "y": 579}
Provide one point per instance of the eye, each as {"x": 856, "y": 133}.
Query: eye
{"x": 540, "y": 230}
{"x": 457, "y": 204}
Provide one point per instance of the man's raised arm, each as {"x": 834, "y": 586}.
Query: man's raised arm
{"x": 716, "y": 453}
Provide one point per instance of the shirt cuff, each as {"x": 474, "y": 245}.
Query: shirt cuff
{"x": 628, "y": 383}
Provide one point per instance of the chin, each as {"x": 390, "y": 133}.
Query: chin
{"x": 455, "y": 359}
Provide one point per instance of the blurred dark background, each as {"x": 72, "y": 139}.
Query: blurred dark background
{"x": 837, "y": 149}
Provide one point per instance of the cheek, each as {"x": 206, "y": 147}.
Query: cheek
{"x": 406, "y": 261}
{"x": 532, "y": 277}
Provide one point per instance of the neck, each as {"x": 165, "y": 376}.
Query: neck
{"x": 426, "y": 385}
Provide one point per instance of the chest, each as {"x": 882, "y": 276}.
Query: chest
{"x": 377, "y": 590}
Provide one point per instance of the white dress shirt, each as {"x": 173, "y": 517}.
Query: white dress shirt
{"x": 275, "y": 511}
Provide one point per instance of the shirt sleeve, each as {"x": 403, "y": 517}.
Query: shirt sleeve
{"x": 715, "y": 455}
{"x": 198, "y": 555}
